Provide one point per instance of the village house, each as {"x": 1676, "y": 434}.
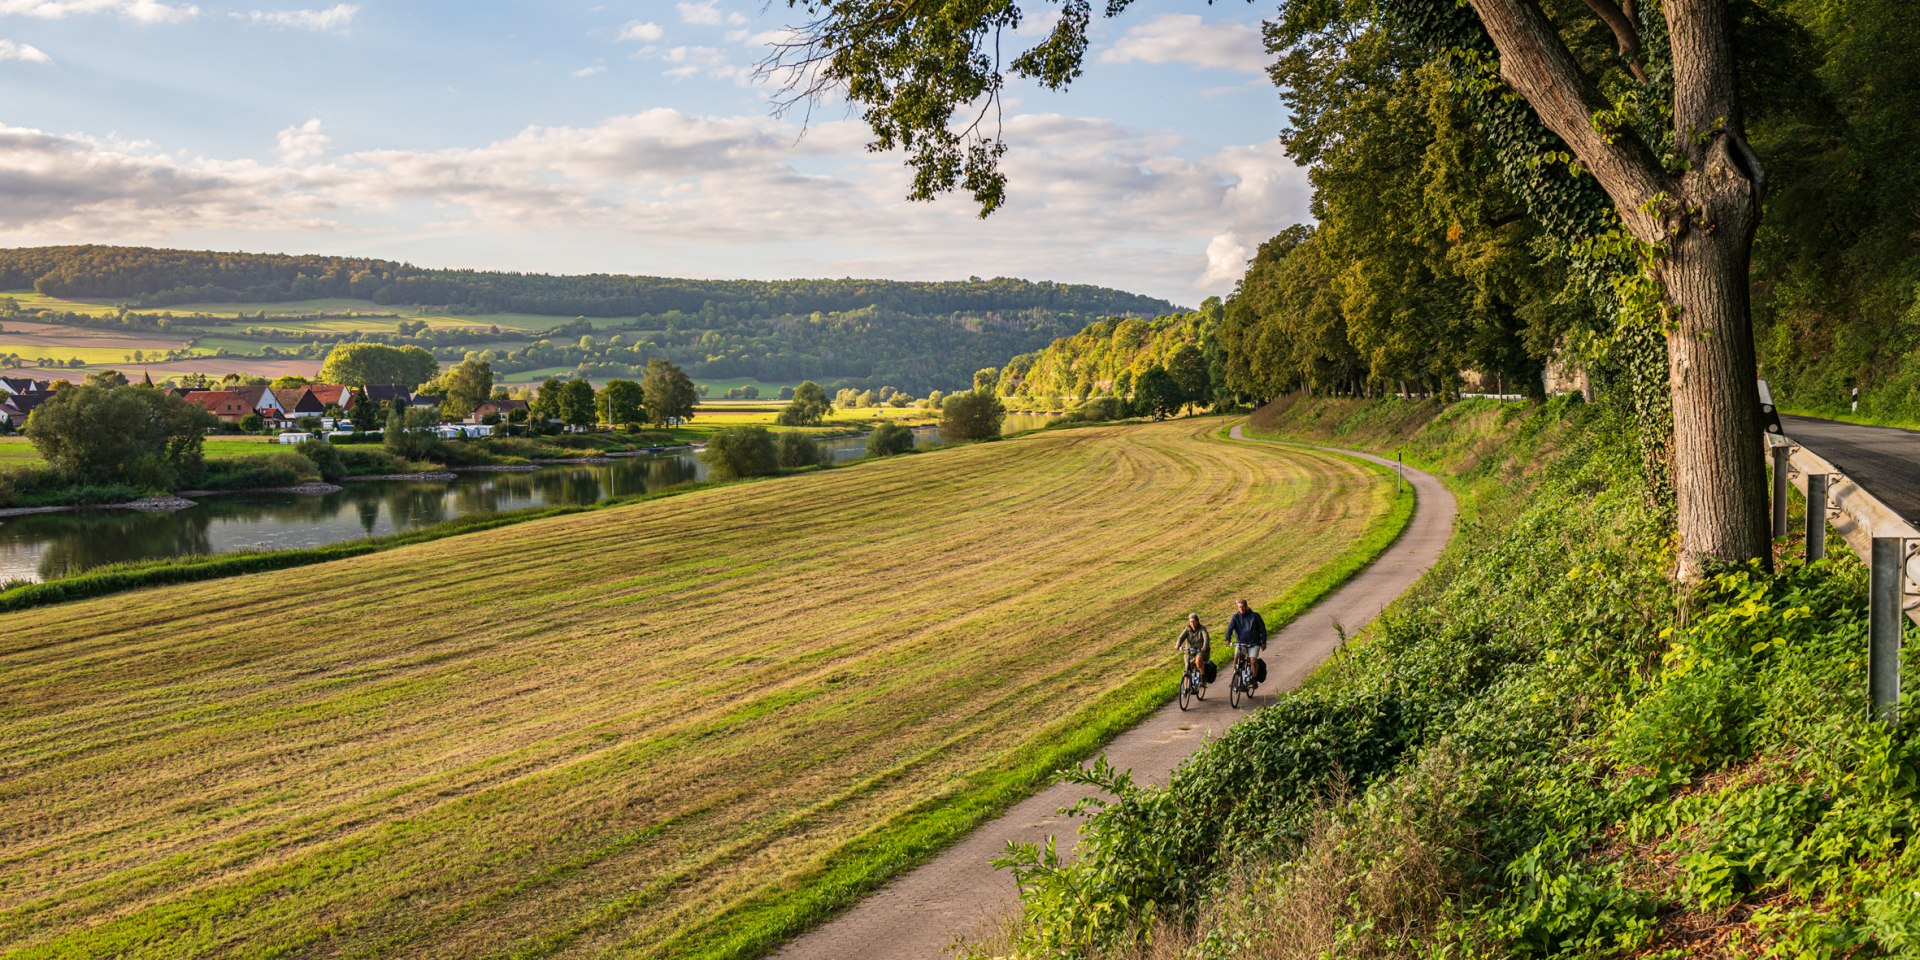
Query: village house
{"x": 299, "y": 403}
{"x": 384, "y": 393}
{"x": 18, "y": 406}
{"x": 227, "y": 405}
{"x": 261, "y": 400}
{"x": 495, "y": 408}
{"x": 18, "y": 386}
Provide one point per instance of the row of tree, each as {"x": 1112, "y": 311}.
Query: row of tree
{"x": 1179, "y": 359}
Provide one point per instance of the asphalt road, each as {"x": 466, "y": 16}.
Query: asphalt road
{"x": 1884, "y": 460}
{"x": 959, "y": 893}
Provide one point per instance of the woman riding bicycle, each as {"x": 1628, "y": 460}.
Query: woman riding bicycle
{"x": 1197, "y": 644}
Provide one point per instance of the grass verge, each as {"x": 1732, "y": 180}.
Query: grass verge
{"x": 1544, "y": 751}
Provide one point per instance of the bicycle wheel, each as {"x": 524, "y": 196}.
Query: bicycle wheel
{"x": 1186, "y": 690}
{"x": 1233, "y": 691}
{"x": 1200, "y": 691}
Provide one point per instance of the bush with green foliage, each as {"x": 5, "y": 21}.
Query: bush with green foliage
{"x": 1097, "y": 410}
{"x": 622, "y": 402}
{"x": 1157, "y": 394}
{"x": 888, "y": 439}
{"x": 31, "y": 487}
{"x": 282, "y": 469}
{"x": 361, "y": 463}
{"x": 410, "y": 433}
{"x": 325, "y": 459}
{"x": 1505, "y": 737}
{"x": 808, "y": 407}
{"x": 137, "y": 436}
{"x": 741, "y": 452}
{"x": 798, "y": 450}
{"x": 668, "y": 393}
{"x": 973, "y": 415}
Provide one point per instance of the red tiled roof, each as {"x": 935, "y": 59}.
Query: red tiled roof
{"x": 330, "y": 393}
{"x": 222, "y": 403}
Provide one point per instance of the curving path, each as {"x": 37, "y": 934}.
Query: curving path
{"x": 921, "y": 914}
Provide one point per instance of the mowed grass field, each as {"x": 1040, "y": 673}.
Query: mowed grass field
{"x": 621, "y": 733}
{"x": 18, "y": 451}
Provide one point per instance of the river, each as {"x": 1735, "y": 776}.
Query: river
{"x": 53, "y": 545}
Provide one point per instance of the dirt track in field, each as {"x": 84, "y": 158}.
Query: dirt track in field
{"x": 959, "y": 895}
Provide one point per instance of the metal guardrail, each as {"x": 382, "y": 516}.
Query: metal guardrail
{"x": 1878, "y": 535}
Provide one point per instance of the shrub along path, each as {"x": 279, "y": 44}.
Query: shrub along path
{"x": 917, "y": 916}
{"x": 689, "y": 727}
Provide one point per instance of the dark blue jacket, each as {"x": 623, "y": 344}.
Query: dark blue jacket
{"x": 1247, "y": 629}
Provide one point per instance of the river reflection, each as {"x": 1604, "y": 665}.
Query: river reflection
{"x": 49, "y": 546}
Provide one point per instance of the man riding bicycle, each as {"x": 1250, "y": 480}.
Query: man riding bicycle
{"x": 1197, "y": 644}
{"x": 1248, "y": 633}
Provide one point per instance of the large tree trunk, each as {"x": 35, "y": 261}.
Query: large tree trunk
{"x": 1719, "y": 480}
{"x": 1719, "y": 473}
{"x": 1702, "y": 221}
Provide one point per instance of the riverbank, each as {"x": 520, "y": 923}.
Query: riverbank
{"x": 28, "y": 490}
{"x": 165, "y": 504}
{"x": 295, "y": 525}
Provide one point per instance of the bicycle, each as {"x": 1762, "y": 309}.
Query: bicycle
{"x": 1193, "y": 684}
{"x": 1243, "y": 680}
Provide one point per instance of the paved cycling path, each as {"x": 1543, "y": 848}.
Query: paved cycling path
{"x": 920, "y": 914}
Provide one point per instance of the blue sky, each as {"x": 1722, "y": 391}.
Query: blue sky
{"x": 623, "y": 137}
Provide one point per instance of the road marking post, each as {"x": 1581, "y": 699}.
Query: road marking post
{"x": 1816, "y": 516}
{"x": 1782, "y": 454}
{"x": 1885, "y": 622}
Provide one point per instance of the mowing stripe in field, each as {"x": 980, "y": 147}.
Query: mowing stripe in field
{"x": 590, "y": 733}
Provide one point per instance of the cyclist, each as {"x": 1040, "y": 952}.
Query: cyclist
{"x": 1197, "y": 644}
{"x": 1248, "y": 632}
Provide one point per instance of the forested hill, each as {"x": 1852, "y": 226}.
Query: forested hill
{"x": 148, "y": 277}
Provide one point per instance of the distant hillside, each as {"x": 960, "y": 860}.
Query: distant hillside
{"x": 150, "y": 277}
{"x": 912, "y": 335}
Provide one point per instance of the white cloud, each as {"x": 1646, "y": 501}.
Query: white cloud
{"x": 708, "y": 13}
{"x": 1227, "y": 256}
{"x": 145, "y": 11}
{"x": 647, "y": 32}
{"x": 1187, "y": 39}
{"x": 71, "y": 186}
{"x": 663, "y": 191}
{"x": 302, "y": 142}
{"x": 334, "y": 19}
{"x": 694, "y": 61}
{"x": 588, "y": 71}
{"x": 22, "y": 51}
{"x": 765, "y": 38}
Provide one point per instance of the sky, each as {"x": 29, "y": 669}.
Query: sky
{"x": 618, "y": 138}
